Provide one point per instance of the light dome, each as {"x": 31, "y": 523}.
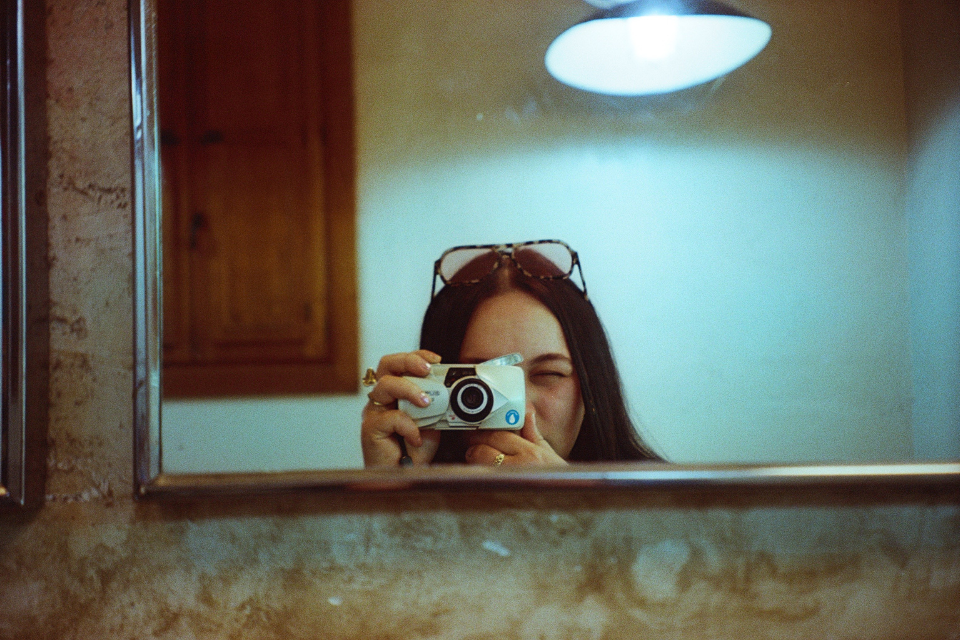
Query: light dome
{"x": 648, "y": 47}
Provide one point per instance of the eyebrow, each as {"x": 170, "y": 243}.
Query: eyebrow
{"x": 550, "y": 357}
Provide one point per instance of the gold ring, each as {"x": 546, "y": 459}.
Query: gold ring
{"x": 369, "y": 378}
{"x": 499, "y": 459}
{"x": 374, "y": 402}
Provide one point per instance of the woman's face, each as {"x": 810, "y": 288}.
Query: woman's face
{"x": 515, "y": 322}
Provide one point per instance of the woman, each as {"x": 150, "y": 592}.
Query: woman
{"x": 501, "y": 299}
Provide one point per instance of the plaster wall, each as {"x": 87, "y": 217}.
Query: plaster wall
{"x": 94, "y": 563}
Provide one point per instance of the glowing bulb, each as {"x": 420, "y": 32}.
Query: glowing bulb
{"x": 631, "y": 51}
{"x": 653, "y": 37}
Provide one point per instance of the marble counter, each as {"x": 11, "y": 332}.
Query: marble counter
{"x": 506, "y": 565}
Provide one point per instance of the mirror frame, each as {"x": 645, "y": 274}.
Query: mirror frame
{"x": 23, "y": 261}
{"x": 152, "y": 480}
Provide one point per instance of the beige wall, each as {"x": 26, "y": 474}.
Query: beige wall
{"x": 94, "y": 563}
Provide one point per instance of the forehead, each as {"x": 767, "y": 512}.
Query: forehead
{"x": 512, "y": 322}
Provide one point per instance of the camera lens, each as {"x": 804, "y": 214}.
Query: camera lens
{"x": 471, "y": 400}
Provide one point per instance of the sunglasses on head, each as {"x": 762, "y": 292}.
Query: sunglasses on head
{"x": 544, "y": 259}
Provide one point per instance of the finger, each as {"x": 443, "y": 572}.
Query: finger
{"x": 530, "y": 432}
{"x": 424, "y": 453}
{"x": 484, "y": 454}
{"x": 544, "y": 454}
{"x": 429, "y": 356}
{"x": 415, "y": 363}
{"x": 383, "y": 425}
{"x": 380, "y": 437}
{"x": 508, "y": 442}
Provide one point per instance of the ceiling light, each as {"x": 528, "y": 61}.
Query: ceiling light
{"x": 653, "y": 46}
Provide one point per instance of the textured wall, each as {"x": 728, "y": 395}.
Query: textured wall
{"x": 93, "y": 563}
{"x": 505, "y": 566}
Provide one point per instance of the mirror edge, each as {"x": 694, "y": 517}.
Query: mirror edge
{"x": 151, "y": 481}
{"x": 891, "y": 478}
{"x": 23, "y": 271}
{"x": 147, "y": 276}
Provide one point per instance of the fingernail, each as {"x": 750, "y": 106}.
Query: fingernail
{"x": 425, "y": 400}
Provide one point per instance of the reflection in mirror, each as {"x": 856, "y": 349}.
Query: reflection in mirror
{"x": 774, "y": 255}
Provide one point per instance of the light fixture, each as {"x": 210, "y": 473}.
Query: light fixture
{"x": 650, "y": 47}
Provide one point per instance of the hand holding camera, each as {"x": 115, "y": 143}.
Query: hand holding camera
{"x": 387, "y": 434}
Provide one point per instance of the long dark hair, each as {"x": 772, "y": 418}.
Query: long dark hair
{"x": 607, "y": 432}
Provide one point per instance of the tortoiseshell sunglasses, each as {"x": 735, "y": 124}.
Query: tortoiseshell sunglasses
{"x": 469, "y": 264}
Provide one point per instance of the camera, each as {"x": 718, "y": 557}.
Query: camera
{"x": 482, "y": 396}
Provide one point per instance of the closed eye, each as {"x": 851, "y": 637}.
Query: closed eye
{"x": 550, "y": 376}
{"x": 551, "y": 367}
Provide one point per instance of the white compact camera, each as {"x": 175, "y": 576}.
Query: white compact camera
{"x": 481, "y": 396}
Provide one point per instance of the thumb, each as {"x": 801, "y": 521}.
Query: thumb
{"x": 423, "y": 454}
{"x": 530, "y": 432}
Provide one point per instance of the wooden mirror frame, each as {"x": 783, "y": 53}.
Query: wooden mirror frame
{"x": 152, "y": 480}
{"x": 23, "y": 260}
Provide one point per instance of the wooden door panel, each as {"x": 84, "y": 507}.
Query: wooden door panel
{"x": 254, "y": 180}
{"x": 252, "y": 61}
{"x": 259, "y": 247}
{"x": 173, "y": 162}
{"x": 258, "y": 194}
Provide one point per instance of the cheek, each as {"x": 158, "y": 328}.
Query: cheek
{"x": 560, "y": 406}
{"x": 576, "y": 408}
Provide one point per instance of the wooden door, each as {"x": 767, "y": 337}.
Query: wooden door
{"x": 257, "y": 155}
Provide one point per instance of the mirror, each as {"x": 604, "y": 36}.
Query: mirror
{"x": 23, "y": 260}
{"x": 773, "y": 255}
